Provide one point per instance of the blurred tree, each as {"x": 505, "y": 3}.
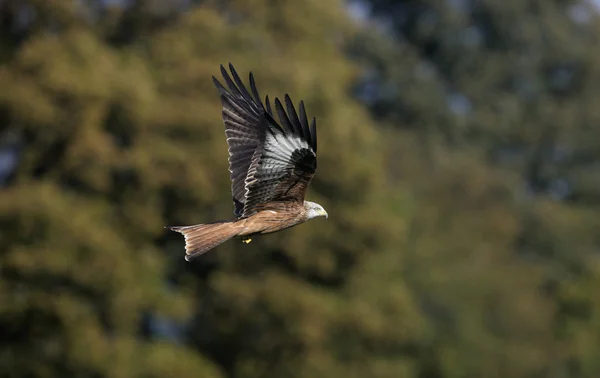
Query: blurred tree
{"x": 500, "y": 97}
{"x": 79, "y": 265}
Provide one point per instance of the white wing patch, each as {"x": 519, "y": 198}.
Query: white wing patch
{"x": 280, "y": 147}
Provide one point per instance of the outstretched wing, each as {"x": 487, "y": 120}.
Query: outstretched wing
{"x": 268, "y": 162}
{"x": 245, "y": 127}
{"x": 287, "y": 161}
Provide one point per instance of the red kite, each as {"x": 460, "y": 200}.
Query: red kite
{"x": 271, "y": 166}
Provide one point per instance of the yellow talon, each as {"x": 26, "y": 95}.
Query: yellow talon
{"x": 246, "y": 239}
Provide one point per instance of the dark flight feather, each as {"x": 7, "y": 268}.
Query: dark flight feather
{"x": 245, "y": 126}
{"x": 293, "y": 116}
{"x": 283, "y": 118}
{"x": 313, "y": 134}
{"x": 268, "y": 161}
{"x": 268, "y": 104}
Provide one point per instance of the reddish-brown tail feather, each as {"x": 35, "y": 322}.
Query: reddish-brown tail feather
{"x": 201, "y": 238}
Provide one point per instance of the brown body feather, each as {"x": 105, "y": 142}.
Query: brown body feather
{"x": 201, "y": 238}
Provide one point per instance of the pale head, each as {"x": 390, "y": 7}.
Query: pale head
{"x": 314, "y": 210}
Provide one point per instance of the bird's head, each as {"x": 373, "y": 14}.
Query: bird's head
{"x": 314, "y": 210}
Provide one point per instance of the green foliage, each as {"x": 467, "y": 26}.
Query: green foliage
{"x": 494, "y": 100}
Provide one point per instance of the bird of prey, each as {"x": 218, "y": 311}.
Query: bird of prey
{"x": 271, "y": 165}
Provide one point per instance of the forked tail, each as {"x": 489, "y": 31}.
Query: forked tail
{"x": 201, "y": 238}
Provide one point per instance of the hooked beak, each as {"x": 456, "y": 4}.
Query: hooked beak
{"x": 324, "y": 213}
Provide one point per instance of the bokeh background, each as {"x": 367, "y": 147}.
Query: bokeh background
{"x": 459, "y": 161}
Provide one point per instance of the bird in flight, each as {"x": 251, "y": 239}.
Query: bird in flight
{"x": 271, "y": 166}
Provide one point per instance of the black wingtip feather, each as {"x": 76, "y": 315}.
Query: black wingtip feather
{"x": 293, "y": 116}
{"x": 283, "y": 118}
{"x": 232, "y": 87}
{"x": 254, "y": 90}
{"x": 219, "y": 86}
{"x": 268, "y": 105}
{"x": 240, "y": 84}
{"x": 223, "y": 71}
{"x": 313, "y": 133}
{"x": 304, "y": 123}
